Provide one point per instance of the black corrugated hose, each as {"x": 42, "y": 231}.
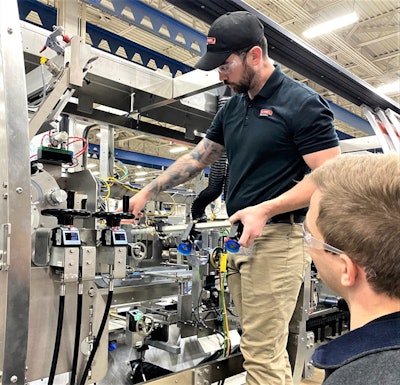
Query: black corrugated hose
{"x": 216, "y": 182}
{"x": 57, "y": 343}
{"x": 99, "y": 334}
{"x": 217, "y": 179}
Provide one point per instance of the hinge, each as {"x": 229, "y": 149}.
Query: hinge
{"x": 5, "y": 235}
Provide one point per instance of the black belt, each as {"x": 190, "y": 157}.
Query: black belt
{"x": 291, "y": 217}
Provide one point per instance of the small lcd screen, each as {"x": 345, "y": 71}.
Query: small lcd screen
{"x": 119, "y": 236}
{"x": 71, "y": 236}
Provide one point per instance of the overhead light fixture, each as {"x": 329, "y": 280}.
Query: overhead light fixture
{"x": 140, "y": 179}
{"x": 101, "y": 107}
{"x": 390, "y": 88}
{"x": 110, "y": 110}
{"x": 175, "y": 150}
{"x": 331, "y": 25}
{"x": 141, "y": 173}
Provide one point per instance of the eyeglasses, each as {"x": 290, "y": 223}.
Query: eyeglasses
{"x": 227, "y": 68}
{"x": 315, "y": 243}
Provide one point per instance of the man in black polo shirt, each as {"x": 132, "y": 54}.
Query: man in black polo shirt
{"x": 273, "y": 131}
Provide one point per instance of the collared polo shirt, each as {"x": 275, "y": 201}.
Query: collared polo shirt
{"x": 267, "y": 137}
{"x": 368, "y": 355}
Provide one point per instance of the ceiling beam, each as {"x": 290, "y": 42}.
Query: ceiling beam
{"x": 287, "y": 49}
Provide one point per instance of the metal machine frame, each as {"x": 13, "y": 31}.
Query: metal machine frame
{"x": 27, "y": 317}
{"x": 15, "y": 251}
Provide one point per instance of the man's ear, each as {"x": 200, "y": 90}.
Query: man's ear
{"x": 255, "y": 55}
{"x": 349, "y": 270}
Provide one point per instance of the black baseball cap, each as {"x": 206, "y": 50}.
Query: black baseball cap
{"x": 232, "y": 32}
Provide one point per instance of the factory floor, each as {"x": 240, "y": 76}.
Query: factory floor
{"x": 316, "y": 379}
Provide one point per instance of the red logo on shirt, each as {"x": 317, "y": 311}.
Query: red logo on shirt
{"x": 211, "y": 40}
{"x": 265, "y": 112}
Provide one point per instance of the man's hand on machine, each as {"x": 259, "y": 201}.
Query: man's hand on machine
{"x": 253, "y": 220}
{"x": 136, "y": 205}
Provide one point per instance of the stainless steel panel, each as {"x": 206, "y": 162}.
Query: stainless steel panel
{"x": 125, "y": 296}
{"x": 68, "y": 12}
{"x": 3, "y": 309}
{"x": 83, "y": 182}
{"x": 88, "y": 262}
{"x": 15, "y": 193}
{"x": 195, "y": 81}
{"x": 43, "y": 321}
{"x": 205, "y": 374}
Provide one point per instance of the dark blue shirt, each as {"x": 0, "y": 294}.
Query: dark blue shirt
{"x": 366, "y": 355}
{"x": 265, "y": 138}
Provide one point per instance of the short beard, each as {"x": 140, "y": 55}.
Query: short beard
{"x": 245, "y": 83}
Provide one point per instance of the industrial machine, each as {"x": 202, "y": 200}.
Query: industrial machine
{"x": 91, "y": 295}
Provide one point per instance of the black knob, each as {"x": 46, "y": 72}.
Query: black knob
{"x": 113, "y": 219}
{"x": 70, "y": 199}
{"x": 65, "y": 217}
{"x": 236, "y": 230}
{"x": 125, "y": 204}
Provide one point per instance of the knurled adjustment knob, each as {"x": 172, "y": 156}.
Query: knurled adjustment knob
{"x": 65, "y": 217}
{"x": 113, "y": 219}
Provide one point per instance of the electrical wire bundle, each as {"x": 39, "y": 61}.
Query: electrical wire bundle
{"x": 225, "y": 322}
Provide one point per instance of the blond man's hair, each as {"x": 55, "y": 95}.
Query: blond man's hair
{"x": 359, "y": 213}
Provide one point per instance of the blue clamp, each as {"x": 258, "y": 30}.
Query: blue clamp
{"x": 232, "y": 244}
{"x": 185, "y": 248}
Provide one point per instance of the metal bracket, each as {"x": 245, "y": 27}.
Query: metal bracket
{"x": 202, "y": 376}
{"x": 174, "y": 349}
{"x": 78, "y": 58}
{"x": 5, "y": 246}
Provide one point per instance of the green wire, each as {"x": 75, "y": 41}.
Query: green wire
{"x": 223, "y": 312}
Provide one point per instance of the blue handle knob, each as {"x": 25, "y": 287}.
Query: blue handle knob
{"x": 185, "y": 248}
{"x": 232, "y": 246}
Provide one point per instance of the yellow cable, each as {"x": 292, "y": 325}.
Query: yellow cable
{"x": 223, "y": 262}
{"x": 115, "y": 180}
{"x": 108, "y": 189}
{"x": 228, "y": 340}
{"x": 225, "y": 322}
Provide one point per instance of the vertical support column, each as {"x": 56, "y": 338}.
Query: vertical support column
{"x": 106, "y": 151}
{"x": 15, "y": 194}
{"x": 297, "y": 342}
{"x": 69, "y": 16}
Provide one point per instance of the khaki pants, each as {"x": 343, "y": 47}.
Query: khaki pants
{"x": 264, "y": 287}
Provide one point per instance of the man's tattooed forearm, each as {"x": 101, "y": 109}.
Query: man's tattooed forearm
{"x": 187, "y": 167}
{"x": 207, "y": 152}
{"x": 173, "y": 177}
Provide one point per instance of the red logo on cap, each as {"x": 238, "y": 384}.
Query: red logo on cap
{"x": 265, "y": 112}
{"x": 211, "y": 40}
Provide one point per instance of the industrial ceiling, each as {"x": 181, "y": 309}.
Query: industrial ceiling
{"x": 368, "y": 49}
